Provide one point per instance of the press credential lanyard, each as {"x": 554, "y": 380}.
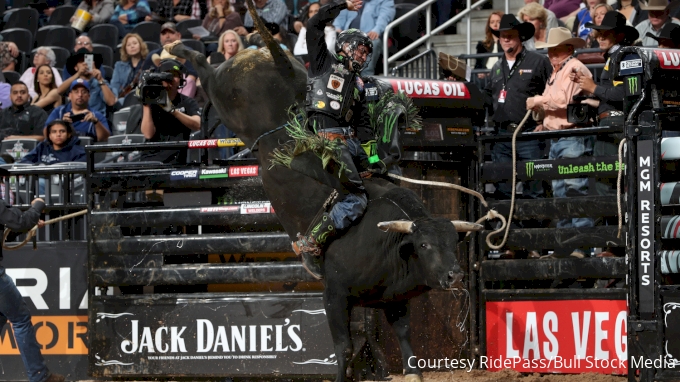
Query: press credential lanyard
{"x": 518, "y": 62}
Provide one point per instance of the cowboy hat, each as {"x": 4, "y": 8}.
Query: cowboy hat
{"x": 560, "y": 36}
{"x": 613, "y": 20}
{"x": 669, "y": 31}
{"x": 509, "y": 22}
{"x": 654, "y": 5}
{"x": 79, "y": 56}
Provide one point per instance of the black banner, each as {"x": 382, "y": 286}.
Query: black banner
{"x": 53, "y": 281}
{"x": 645, "y": 222}
{"x": 237, "y": 334}
{"x": 583, "y": 167}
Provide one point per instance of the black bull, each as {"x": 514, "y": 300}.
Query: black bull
{"x": 366, "y": 266}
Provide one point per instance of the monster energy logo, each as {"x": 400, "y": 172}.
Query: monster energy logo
{"x": 632, "y": 85}
{"x": 531, "y": 167}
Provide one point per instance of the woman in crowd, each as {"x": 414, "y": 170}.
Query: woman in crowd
{"x": 585, "y": 15}
{"x": 219, "y": 19}
{"x": 229, "y": 44}
{"x": 631, "y": 9}
{"x": 128, "y": 14}
{"x": 300, "y": 48}
{"x": 43, "y": 56}
{"x": 126, "y": 72}
{"x": 490, "y": 43}
{"x": 535, "y": 14}
{"x": 8, "y": 54}
{"x": 598, "y": 14}
{"x": 44, "y": 83}
{"x": 101, "y": 11}
{"x": 60, "y": 145}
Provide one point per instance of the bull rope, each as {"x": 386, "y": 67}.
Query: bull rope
{"x": 31, "y": 233}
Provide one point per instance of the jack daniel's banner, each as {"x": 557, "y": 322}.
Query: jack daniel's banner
{"x": 234, "y": 334}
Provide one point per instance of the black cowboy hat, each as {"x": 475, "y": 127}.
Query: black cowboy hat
{"x": 79, "y": 56}
{"x": 669, "y": 31}
{"x": 509, "y": 22}
{"x": 613, "y": 20}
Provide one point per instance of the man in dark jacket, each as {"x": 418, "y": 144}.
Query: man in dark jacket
{"x": 12, "y": 305}
{"x": 518, "y": 75}
{"x": 21, "y": 120}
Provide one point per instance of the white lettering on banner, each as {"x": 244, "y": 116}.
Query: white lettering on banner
{"x": 65, "y": 288}
{"x": 668, "y": 58}
{"x": 552, "y": 347}
{"x": 531, "y": 336}
{"x": 645, "y": 221}
{"x": 33, "y": 292}
{"x": 510, "y": 351}
{"x": 430, "y": 89}
{"x": 621, "y": 340}
{"x": 140, "y": 342}
{"x": 206, "y": 336}
{"x": 600, "y": 335}
{"x": 236, "y": 171}
{"x": 580, "y": 337}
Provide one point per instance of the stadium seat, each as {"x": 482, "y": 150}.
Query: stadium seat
{"x": 124, "y": 156}
{"x": 11, "y": 77}
{"x": 194, "y": 44}
{"x": 148, "y": 30}
{"x": 107, "y": 72}
{"x": 119, "y": 121}
{"x": 20, "y": 36}
{"x": 184, "y": 25}
{"x": 62, "y": 15}
{"x": 84, "y": 141}
{"x": 105, "y": 34}
{"x": 62, "y": 54}
{"x": 26, "y": 18}
{"x": 105, "y": 51}
{"x": 56, "y": 35}
{"x": 17, "y": 148}
{"x": 152, "y": 45}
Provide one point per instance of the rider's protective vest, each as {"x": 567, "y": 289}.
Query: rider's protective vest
{"x": 331, "y": 93}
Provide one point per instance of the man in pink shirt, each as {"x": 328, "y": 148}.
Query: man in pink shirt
{"x": 558, "y": 93}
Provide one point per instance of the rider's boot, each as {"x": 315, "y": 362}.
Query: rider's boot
{"x": 311, "y": 247}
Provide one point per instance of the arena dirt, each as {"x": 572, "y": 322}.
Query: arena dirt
{"x": 510, "y": 376}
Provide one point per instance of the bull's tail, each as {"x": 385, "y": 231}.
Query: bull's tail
{"x": 280, "y": 58}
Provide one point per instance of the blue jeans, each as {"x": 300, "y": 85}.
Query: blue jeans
{"x": 13, "y": 307}
{"x": 501, "y": 152}
{"x": 572, "y": 147}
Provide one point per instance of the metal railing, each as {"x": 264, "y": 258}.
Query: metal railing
{"x": 424, "y": 65}
{"x": 429, "y": 32}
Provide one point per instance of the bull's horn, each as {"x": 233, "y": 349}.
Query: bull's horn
{"x": 402, "y": 226}
{"x": 463, "y": 226}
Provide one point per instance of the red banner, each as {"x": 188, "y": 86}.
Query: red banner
{"x": 668, "y": 59}
{"x": 430, "y": 89}
{"x": 572, "y": 336}
{"x": 203, "y": 144}
{"x": 238, "y": 171}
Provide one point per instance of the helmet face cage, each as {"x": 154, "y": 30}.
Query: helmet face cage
{"x": 354, "y": 38}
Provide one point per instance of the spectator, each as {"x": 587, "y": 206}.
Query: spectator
{"x": 535, "y": 14}
{"x": 172, "y": 11}
{"x": 552, "y": 19}
{"x": 8, "y": 54}
{"x": 21, "y": 120}
{"x": 99, "y": 90}
{"x": 82, "y": 42}
{"x": 12, "y": 304}
{"x": 219, "y": 19}
{"x": 490, "y": 43}
{"x": 47, "y": 97}
{"x": 127, "y": 71}
{"x": 229, "y": 44}
{"x": 631, "y": 10}
{"x": 271, "y": 11}
{"x": 128, "y": 14}
{"x": 669, "y": 36}
{"x": 657, "y": 17}
{"x": 518, "y": 75}
{"x": 305, "y": 14}
{"x": 5, "y": 98}
{"x": 169, "y": 34}
{"x": 371, "y": 18}
{"x": 173, "y": 122}
{"x": 585, "y": 15}
{"x": 86, "y": 122}
{"x": 100, "y": 10}
{"x": 598, "y": 14}
{"x": 300, "y": 48}
{"x": 60, "y": 145}
{"x": 43, "y": 56}
{"x": 562, "y": 8}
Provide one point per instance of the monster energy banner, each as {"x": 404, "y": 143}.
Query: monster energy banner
{"x": 633, "y": 86}
{"x": 590, "y": 167}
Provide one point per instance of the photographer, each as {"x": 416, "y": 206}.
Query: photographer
{"x": 77, "y": 112}
{"x": 172, "y": 117}
{"x": 100, "y": 94}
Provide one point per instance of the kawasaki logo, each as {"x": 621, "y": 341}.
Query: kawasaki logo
{"x": 632, "y": 85}
{"x": 531, "y": 167}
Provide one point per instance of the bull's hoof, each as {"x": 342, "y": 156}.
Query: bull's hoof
{"x": 313, "y": 265}
{"x": 413, "y": 378}
{"x": 172, "y": 45}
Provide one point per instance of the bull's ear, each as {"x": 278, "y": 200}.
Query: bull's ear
{"x": 463, "y": 226}
{"x": 401, "y": 226}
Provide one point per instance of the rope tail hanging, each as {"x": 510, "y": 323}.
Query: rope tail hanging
{"x": 618, "y": 186}
{"x": 31, "y": 233}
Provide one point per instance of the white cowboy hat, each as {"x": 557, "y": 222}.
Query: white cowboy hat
{"x": 654, "y": 5}
{"x": 560, "y": 36}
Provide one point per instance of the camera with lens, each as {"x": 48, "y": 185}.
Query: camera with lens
{"x": 150, "y": 90}
{"x": 581, "y": 113}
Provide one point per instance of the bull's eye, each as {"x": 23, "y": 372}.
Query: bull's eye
{"x": 425, "y": 246}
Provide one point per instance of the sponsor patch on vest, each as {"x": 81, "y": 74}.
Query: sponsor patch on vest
{"x": 332, "y": 96}
{"x": 319, "y": 92}
{"x": 371, "y": 93}
{"x": 340, "y": 69}
{"x": 184, "y": 174}
{"x": 335, "y": 83}
{"x": 320, "y": 104}
{"x": 335, "y": 105}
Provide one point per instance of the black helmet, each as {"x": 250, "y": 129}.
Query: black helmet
{"x": 172, "y": 65}
{"x": 355, "y": 38}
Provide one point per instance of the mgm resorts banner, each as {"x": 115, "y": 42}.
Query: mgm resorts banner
{"x": 52, "y": 280}
{"x": 216, "y": 335}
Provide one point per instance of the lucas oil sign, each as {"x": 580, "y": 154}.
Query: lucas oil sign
{"x": 430, "y": 89}
{"x": 572, "y": 336}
